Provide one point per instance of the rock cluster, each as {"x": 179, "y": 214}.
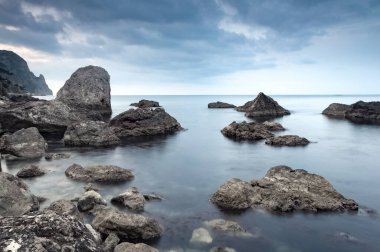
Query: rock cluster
{"x": 146, "y": 104}
{"x": 287, "y": 140}
{"x": 359, "y": 112}
{"x": 219, "y": 104}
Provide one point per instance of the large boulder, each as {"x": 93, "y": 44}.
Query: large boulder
{"x": 131, "y": 199}
{"x": 88, "y": 91}
{"x": 336, "y": 110}
{"x": 364, "y": 112}
{"x": 144, "y": 122}
{"x": 283, "y": 190}
{"x": 99, "y": 173}
{"x": 251, "y": 131}
{"x": 145, "y": 104}
{"x": 263, "y": 106}
{"x": 90, "y": 133}
{"x": 15, "y": 197}
{"x": 45, "y": 231}
{"x": 287, "y": 140}
{"x": 131, "y": 247}
{"x": 31, "y": 171}
{"x": 26, "y": 143}
{"x": 219, "y": 104}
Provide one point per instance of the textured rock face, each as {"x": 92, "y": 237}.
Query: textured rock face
{"x": 20, "y": 79}
{"x": 219, "y": 104}
{"x": 130, "y": 247}
{"x": 99, "y": 173}
{"x": 111, "y": 242}
{"x": 27, "y": 143}
{"x": 364, "y": 112}
{"x": 88, "y": 91}
{"x": 66, "y": 207}
{"x": 90, "y": 133}
{"x": 287, "y": 140}
{"x": 90, "y": 199}
{"x": 132, "y": 199}
{"x": 144, "y": 122}
{"x": 336, "y": 110}
{"x": 145, "y": 104}
{"x": 283, "y": 190}
{"x": 31, "y": 171}
{"x": 15, "y": 197}
{"x": 46, "y": 231}
{"x": 250, "y": 131}
{"x": 263, "y": 106}
{"x": 56, "y": 156}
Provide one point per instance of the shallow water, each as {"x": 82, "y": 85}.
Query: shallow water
{"x": 188, "y": 167}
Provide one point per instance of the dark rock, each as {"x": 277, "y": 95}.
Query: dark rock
{"x": 99, "y": 173}
{"x": 229, "y": 227}
{"x": 31, "y": 171}
{"x": 90, "y": 199}
{"x": 88, "y": 91}
{"x": 248, "y": 131}
{"x": 263, "y": 106}
{"x": 111, "y": 242}
{"x": 364, "y": 112}
{"x": 56, "y": 156}
{"x": 219, "y": 104}
{"x": 15, "y": 197}
{"x": 152, "y": 196}
{"x": 144, "y": 122}
{"x": 145, "y": 104}
{"x": 132, "y": 199}
{"x": 283, "y": 190}
{"x": 45, "y": 231}
{"x": 90, "y": 133}
{"x": 26, "y": 143}
{"x": 66, "y": 207}
{"x": 130, "y": 247}
{"x": 273, "y": 126}
{"x": 287, "y": 140}
{"x": 336, "y": 110}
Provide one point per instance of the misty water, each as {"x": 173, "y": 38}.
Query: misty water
{"x": 188, "y": 167}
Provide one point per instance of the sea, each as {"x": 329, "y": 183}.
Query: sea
{"x": 188, "y": 167}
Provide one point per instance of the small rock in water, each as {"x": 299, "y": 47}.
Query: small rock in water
{"x": 201, "y": 235}
{"x": 287, "y": 140}
{"x": 219, "y": 104}
{"x": 91, "y": 187}
{"x": 145, "y": 104}
{"x": 230, "y": 227}
{"x": 132, "y": 199}
{"x": 130, "y": 247}
{"x": 56, "y": 156}
{"x": 89, "y": 199}
{"x": 152, "y": 196}
{"x": 30, "y": 171}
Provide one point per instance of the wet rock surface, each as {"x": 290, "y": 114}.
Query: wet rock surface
{"x": 131, "y": 199}
{"x": 89, "y": 200}
{"x": 359, "y": 112}
{"x": 31, "y": 171}
{"x": 336, "y": 110}
{"x": 56, "y": 156}
{"x": 287, "y": 140}
{"x": 66, "y": 207}
{"x": 251, "y": 131}
{"x": 145, "y": 104}
{"x": 219, "y": 104}
{"x": 131, "y": 247}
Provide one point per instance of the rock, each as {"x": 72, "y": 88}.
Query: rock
{"x": 46, "y": 231}
{"x": 110, "y": 243}
{"x": 201, "y": 235}
{"x": 364, "y": 112}
{"x": 287, "y": 140}
{"x": 283, "y": 190}
{"x": 89, "y": 199}
{"x": 130, "y": 247}
{"x": 90, "y": 187}
{"x": 26, "y": 143}
{"x": 273, "y": 126}
{"x": 230, "y": 227}
{"x": 347, "y": 237}
{"x": 99, "y": 173}
{"x": 15, "y": 197}
{"x": 247, "y": 131}
{"x": 222, "y": 249}
{"x": 132, "y": 199}
{"x": 94, "y": 233}
{"x": 336, "y": 110}
{"x": 65, "y": 207}
{"x": 263, "y": 106}
{"x": 219, "y": 104}
{"x": 56, "y": 156}
{"x": 30, "y": 171}
{"x": 88, "y": 91}
{"x": 152, "y": 196}
{"x": 90, "y": 133}
{"x": 144, "y": 122}
{"x": 127, "y": 226}
{"x": 145, "y": 104}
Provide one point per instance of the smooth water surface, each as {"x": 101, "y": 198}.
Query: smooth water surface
{"x": 188, "y": 167}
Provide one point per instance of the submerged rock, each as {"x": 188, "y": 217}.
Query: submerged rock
{"x": 283, "y": 190}
{"x": 66, "y": 207}
{"x": 263, "y": 106}
{"x": 336, "y": 110}
{"x": 287, "y": 140}
{"x": 31, "y": 171}
{"x": 90, "y": 199}
{"x": 144, "y": 122}
{"x": 145, "y": 104}
{"x": 219, "y": 104}
{"x": 201, "y": 235}
{"x": 56, "y": 156}
{"x": 26, "y": 143}
{"x": 222, "y": 249}
{"x": 230, "y": 227}
{"x": 132, "y": 199}
{"x": 130, "y": 247}
{"x": 248, "y": 131}
{"x": 99, "y": 173}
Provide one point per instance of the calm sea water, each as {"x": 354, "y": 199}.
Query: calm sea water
{"x": 188, "y": 167}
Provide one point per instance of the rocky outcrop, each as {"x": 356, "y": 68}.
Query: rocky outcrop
{"x": 336, "y": 110}
{"x": 250, "y": 131}
{"x": 263, "y": 106}
{"x": 228, "y": 227}
{"x": 89, "y": 200}
{"x": 65, "y": 207}
{"x": 30, "y": 171}
{"x": 144, "y": 122}
{"x": 359, "y": 112}
{"x": 283, "y": 190}
{"x": 132, "y": 199}
{"x": 19, "y": 78}
{"x": 90, "y": 133}
{"x": 56, "y": 156}
{"x": 45, "y": 231}
{"x": 99, "y": 173}
{"x": 130, "y": 247}
{"x": 146, "y": 104}
{"x": 15, "y": 197}
{"x": 26, "y": 143}
{"x": 88, "y": 92}
{"x": 287, "y": 140}
{"x": 219, "y": 104}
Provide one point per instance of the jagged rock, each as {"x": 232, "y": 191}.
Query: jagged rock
{"x": 263, "y": 106}
{"x": 152, "y": 196}
{"x": 130, "y": 247}
{"x": 45, "y": 231}
{"x": 285, "y": 190}
{"x": 111, "y": 242}
{"x": 132, "y": 199}
{"x": 89, "y": 199}
{"x": 336, "y": 110}
{"x": 219, "y": 104}
{"x": 88, "y": 91}
{"x": 248, "y": 131}
{"x": 222, "y": 249}
{"x": 144, "y": 122}
{"x": 99, "y": 173}
{"x": 30, "y": 171}
{"x": 287, "y": 140}
{"x": 94, "y": 233}
{"x": 230, "y": 227}
{"x": 273, "y": 126}
{"x": 26, "y": 143}
{"x": 145, "y": 104}
{"x": 127, "y": 226}
{"x": 201, "y": 235}
{"x": 15, "y": 197}
{"x": 90, "y": 133}
{"x": 56, "y": 156}
{"x": 364, "y": 112}
{"x": 66, "y": 207}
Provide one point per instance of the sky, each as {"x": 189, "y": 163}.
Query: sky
{"x": 166, "y": 47}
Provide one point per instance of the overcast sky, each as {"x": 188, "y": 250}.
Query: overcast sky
{"x": 202, "y": 46}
